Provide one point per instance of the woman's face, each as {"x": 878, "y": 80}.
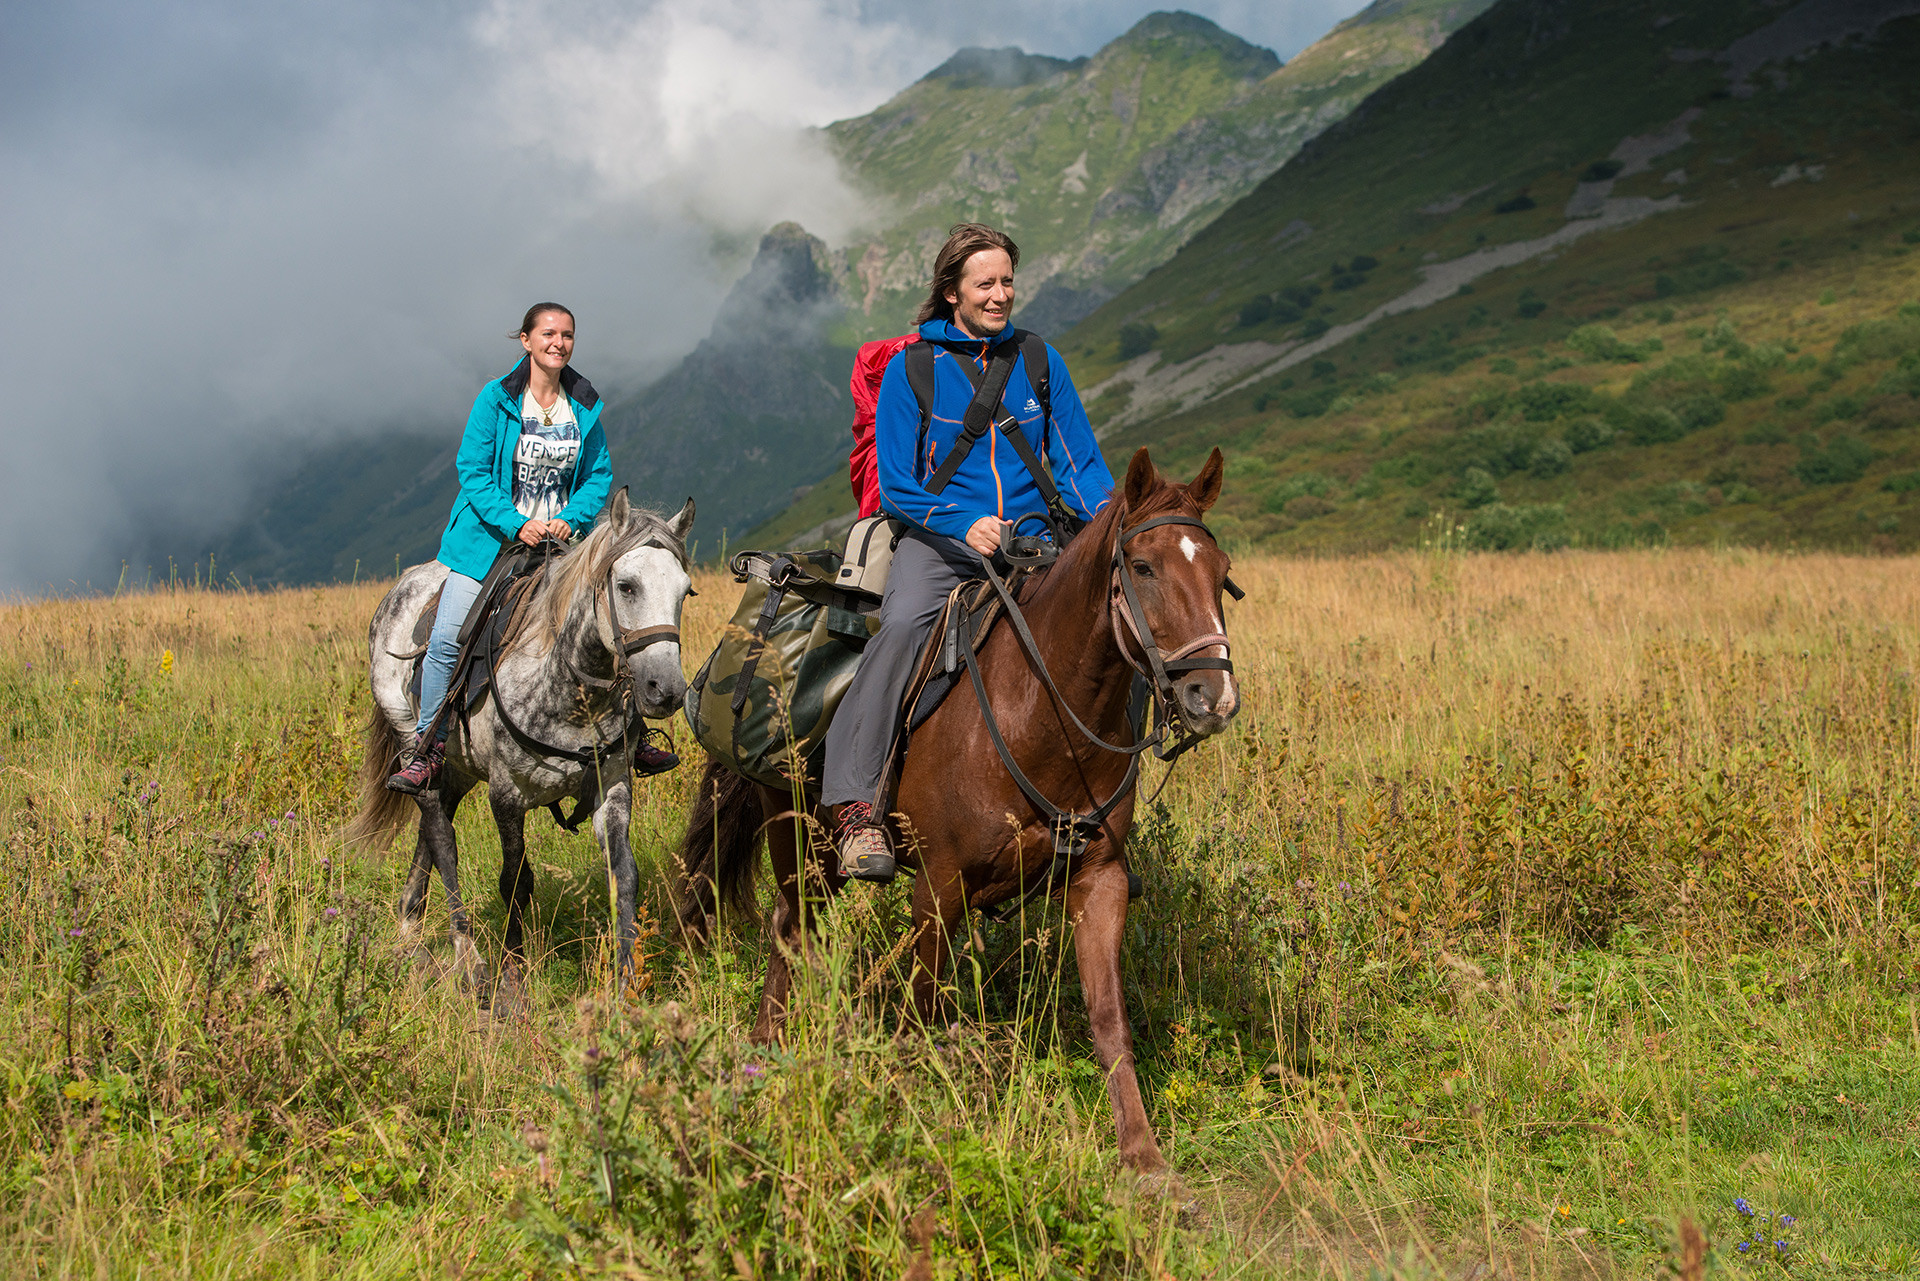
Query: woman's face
{"x": 984, "y": 301}
{"x": 550, "y": 341}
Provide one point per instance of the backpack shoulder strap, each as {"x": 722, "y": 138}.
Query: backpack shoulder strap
{"x": 920, "y": 377}
{"x": 1034, "y": 349}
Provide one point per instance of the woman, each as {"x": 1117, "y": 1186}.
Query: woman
{"x": 533, "y": 465}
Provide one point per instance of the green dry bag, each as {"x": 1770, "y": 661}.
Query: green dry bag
{"x": 762, "y": 701}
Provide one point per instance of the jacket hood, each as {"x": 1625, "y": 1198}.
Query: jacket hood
{"x": 945, "y": 331}
{"x": 578, "y": 389}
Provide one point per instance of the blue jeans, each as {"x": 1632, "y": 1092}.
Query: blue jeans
{"x": 443, "y": 647}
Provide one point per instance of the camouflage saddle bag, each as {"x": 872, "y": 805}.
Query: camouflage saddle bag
{"x": 762, "y": 701}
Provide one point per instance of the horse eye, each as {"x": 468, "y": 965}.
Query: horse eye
{"x": 1143, "y": 569}
{"x": 626, "y": 589}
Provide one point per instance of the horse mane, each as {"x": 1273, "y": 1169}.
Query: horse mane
{"x": 583, "y": 566}
{"x": 1095, "y": 542}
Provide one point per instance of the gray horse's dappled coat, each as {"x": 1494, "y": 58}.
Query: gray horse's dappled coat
{"x": 629, "y": 573}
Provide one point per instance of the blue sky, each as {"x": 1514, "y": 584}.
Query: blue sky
{"x": 230, "y": 228}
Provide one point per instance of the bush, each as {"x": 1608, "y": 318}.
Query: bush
{"x": 1137, "y": 339}
{"x": 1706, "y": 268}
{"x": 1315, "y": 326}
{"x": 1530, "y": 307}
{"x": 1307, "y": 506}
{"x": 1256, "y": 312}
{"x": 1522, "y": 527}
{"x": 1477, "y": 488}
{"x": 1902, "y": 482}
{"x": 1601, "y": 170}
{"x": 1518, "y": 204}
{"x": 1888, "y": 339}
{"x": 1550, "y": 458}
{"x": 1305, "y": 485}
{"x": 1842, "y": 460}
{"x": 1498, "y": 449}
{"x": 1598, "y": 342}
{"x": 1349, "y": 280}
{"x": 1364, "y": 262}
{"x": 1300, "y": 296}
{"x": 1654, "y": 426}
{"x": 1543, "y": 402}
{"x": 1587, "y": 434}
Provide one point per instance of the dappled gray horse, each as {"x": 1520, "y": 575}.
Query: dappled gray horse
{"x": 598, "y": 648}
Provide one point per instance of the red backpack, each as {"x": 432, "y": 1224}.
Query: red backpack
{"x": 869, "y": 366}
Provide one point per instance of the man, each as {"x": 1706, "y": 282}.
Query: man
{"x": 963, "y": 324}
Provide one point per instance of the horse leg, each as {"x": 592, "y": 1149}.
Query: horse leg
{"x": 1097, "y": 904}
{"x": 413, "y": 900}
{"x": 783, "y": 950}
{"x": 935, "y": 913}
{"x": 611, "y": 820}
{"x": 436, "y": 828}
{"x": 516, "y": 890}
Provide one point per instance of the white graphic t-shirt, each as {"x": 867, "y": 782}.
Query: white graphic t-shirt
{"x": 543, "y": 460}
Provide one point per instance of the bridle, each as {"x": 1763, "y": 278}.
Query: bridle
{"x": 1074, "y": 830}
{"x": 623, "y": 643}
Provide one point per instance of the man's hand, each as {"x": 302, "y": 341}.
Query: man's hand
{"x": 984, "y": 537}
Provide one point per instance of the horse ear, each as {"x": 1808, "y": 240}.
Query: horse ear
{"x": 619, "y": 509}
{"x": 1141, "y": 479}
{"x": 1204, "y": 489}
{"x": 684, "y": 521}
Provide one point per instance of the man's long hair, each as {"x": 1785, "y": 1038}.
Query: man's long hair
{"x": 963, "y": 242}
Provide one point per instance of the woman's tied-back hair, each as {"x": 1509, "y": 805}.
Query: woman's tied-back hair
{"x": 534, "y": 313}
{"x": 963, "y": 242}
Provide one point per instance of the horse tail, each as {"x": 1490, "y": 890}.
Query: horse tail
{"x": 382, "y": 813}
{"x": 720, "y": 852}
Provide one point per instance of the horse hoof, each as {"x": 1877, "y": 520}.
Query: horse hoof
{"x": 510, "y": 1003}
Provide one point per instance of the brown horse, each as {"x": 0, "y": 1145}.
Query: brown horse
{"x": 1089, "y": 616}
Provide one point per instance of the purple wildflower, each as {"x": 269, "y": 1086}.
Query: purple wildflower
{"x": 1787, "y": 1220}
{"x": 1740, "y": 1205}
{"x": 332, "y": 912}
{"x": 75, "y": 932}
{"x": 1743, "y": 1247}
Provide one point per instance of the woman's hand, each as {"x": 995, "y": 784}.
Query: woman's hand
{"x": 534, "y": 530}
{"x": 984, "y": 537}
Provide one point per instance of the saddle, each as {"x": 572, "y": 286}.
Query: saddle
{"x": 489, "y": 631}
{"x": 966, "y": 619}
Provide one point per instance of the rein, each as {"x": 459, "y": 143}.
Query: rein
{"x": 1074, "y": 830}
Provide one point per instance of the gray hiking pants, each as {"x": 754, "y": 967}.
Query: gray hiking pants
{"x": 925, "y": 568}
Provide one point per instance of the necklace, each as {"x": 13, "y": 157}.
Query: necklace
{"x": 546, "y": 411}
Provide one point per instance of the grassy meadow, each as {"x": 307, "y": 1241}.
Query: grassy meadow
{"x": 1538, "y": 911}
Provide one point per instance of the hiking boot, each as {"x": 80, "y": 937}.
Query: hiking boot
{"x": 655, "y": 753}
{"x": 422, "y": 771}
{"x": 864, "y": 855}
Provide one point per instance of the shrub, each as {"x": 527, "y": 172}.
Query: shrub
{"x": 1312, "y": 404}
{"x": 1521, "y": 527}
{"x": 1744, "y": 382}
{"x": 1587, "y": 434}
{"x": 1307, "y": 506}
{"x": 1550, "y": 458}
{"x": 1315, "y": 326}
{"x": 1843, "y": 459}
{"x": 1902, "y": 482}
{"x": 1517, "y": 204}
{"x": 1503, "y": 365}
{"x": 1498, "y": 449}
{"x": 1654, "y": 426}
{"x": 1305, "y": 485}
{"x": 1301, "y": 296}
{"x": 1349, "y": 280}
{"x": 1256, "y": 312}
{"x": 1601, "y": 170}
{"x": 1543, "y": 402}
{"x": 1137, "y": 339}
{"x": 1322, "y": 369}
{"x": 1598, "y": 342}
{"x": 1705, "y": 267}
{"x": 1477, "y": 488}
{"x": 1889, "y": 339}
{"x": 1364, "y": 262}
{"x": 1530, "y": 307}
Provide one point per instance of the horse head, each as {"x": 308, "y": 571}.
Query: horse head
{"x": 1168, "y": 573}
{"x": 644, "y": 586}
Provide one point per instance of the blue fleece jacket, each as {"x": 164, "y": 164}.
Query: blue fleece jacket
{"x": 992, "y": 481}
{"x": 484, "y": 518}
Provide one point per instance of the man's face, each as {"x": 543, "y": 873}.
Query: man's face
{"x": 984, "y": 302}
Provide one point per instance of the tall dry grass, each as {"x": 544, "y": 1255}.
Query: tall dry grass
{"x": 1532, "y": 900}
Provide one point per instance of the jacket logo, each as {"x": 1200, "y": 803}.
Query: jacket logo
{"x": 1033, "y": 406}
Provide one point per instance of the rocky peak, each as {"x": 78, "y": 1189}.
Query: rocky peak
{"x": 1008, "y": 68}
{"x": 787, "y": 284}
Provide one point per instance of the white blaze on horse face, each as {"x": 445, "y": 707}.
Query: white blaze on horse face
{"x": 1189, "y": 548}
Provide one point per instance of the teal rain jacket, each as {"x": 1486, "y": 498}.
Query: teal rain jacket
{"x": 484, "y": 518}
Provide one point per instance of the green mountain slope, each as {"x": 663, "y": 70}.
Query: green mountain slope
{"x": 1103, "y": 166}
{"x": 1593, "y": 272}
